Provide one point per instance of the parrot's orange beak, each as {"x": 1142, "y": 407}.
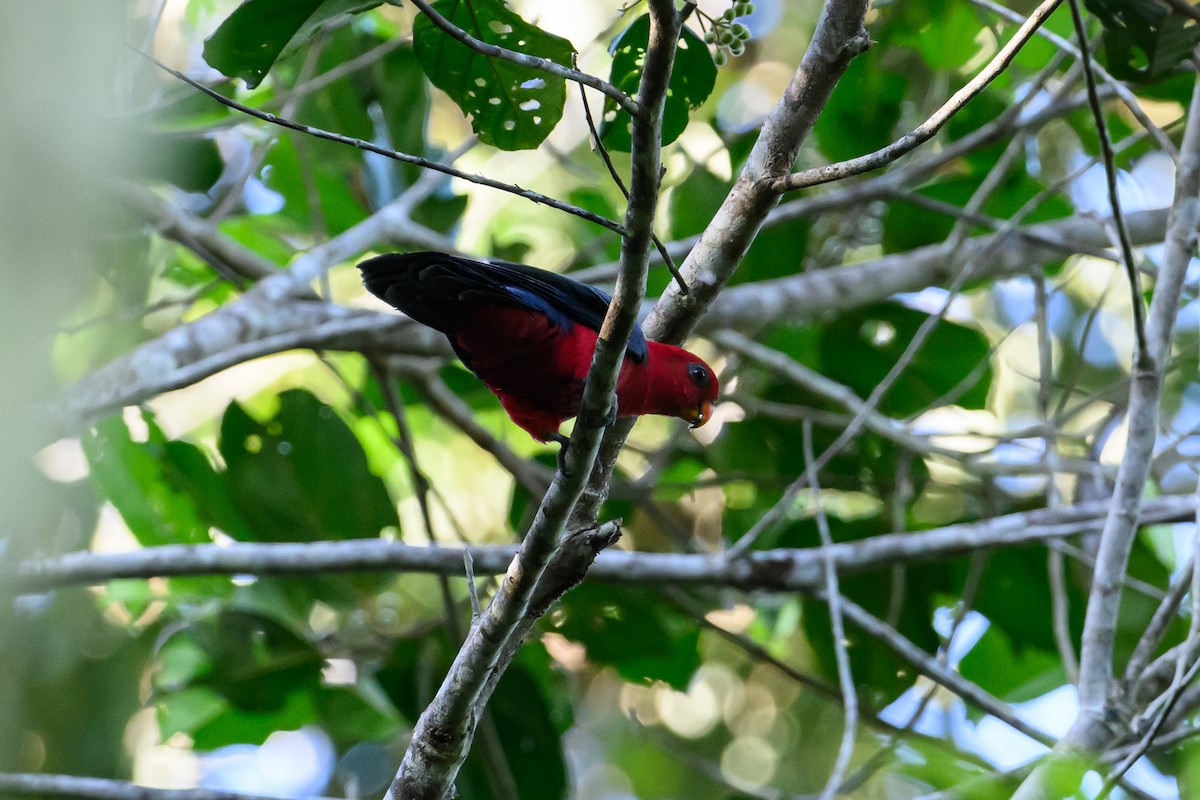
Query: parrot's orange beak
{"x": 698, "y": 415}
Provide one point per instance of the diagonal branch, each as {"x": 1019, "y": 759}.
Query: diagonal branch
{"x": 929, "y": 128}
{"x": 443, "y": 734}
{"x": 931, "y": 668}
{"x": 1117, "y": 87}
{"x": 198, "y": 235}
{"x": 839, "y": 37}
{"x": 817, "y": 293}
{"x": 395, "y": 155}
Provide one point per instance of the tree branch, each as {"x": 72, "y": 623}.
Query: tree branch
{"x": 198, "y": 235}
{"x": 928, "y": 666}
{"x": 443, "y": 733}
{"x": 1100, "y": 719}
{"x": 769, "y": 570}
{"x": 1117, "y": 87}
{"x": 71, "y": 786}
{"x": 820, "y": 293}
{"x": 1114, "y": 200}
{"x": 254, "y": 326}
{"x": 839, "y": 37}
{"x": 396, "y": 155}
{"x": 929, "y": 128}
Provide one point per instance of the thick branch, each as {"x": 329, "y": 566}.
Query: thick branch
{"x": 251, "y": 327}
{"x": 774, "y": 570}
{"x": 839, "y": 37}
{"x": 815, "y": 294}
{"x": 444, "y": 731}
{"x": 1101, "y": 719}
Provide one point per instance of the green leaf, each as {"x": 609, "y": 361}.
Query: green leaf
{"x": 402, "y": 92}
{"x": 349, "y": 718}
{"x": 188, "y": 710}
{"x": 693, "y": 202}
{"x": 532, "y": 742}
{"x": 138, "y": 478}
{"x": 1143, "y": 39}
{"x": 1012, "y": 674}
{"x": 862, "y": 113}
{"x": 511, "y": 107}
{"x": 256, "y": 662}
{"x": 180, "y": 661}
{"x": 860, "y": 348}
{"x": 250, "y": 40}
{"x": 190, "y": 161}
{"x": 692, "y": 81}
{"x": 945, "y": 36}
{"x": 301, "y": 475}
{"x": 630, "y": 630}
{"x": 236, "y": 726}
{"x": 68, "y": 669}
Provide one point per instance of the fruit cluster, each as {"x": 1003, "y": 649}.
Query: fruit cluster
{"x": 729, "y": 36}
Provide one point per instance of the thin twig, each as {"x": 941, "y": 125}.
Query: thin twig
{"x": 1114, "y": 200}
{"x": 663, "y": 253}
{"x": 1147, "y": 741}
{"x": 316, "y": 84}
{"x": 532, "y": 477}
{"x": 929, "y": 128}
{"x": 1119, "y": 88}
{"x": 1164, "y": 615}
{"x": 930, "y": 668}
{"x": 1059, "y": 600}
{"x": 472, "y": 589}
{"x": 424, "y": 163}
{"x": 834, "y": 596}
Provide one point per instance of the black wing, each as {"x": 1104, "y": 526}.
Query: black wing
{"x": 437, "y": 289}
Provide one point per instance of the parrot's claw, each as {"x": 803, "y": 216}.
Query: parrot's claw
{"x": 611, "y": 418}
{"x": 563, "y": 441}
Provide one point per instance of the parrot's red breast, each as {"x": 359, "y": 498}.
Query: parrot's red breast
{"x": 529, "y": 336}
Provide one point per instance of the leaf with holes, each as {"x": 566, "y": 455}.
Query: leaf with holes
{"x": 511, "y": 107}
{"x": 692, "y": 81}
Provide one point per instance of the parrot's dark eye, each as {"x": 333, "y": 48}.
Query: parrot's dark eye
{"x": 699, "y": 374}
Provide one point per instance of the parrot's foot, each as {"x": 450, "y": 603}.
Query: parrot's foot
{"x": 563, "y": 441}
{"x": 611, "y": 418}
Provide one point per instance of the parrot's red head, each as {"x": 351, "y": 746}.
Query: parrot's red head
{"x": 681, "y": 384}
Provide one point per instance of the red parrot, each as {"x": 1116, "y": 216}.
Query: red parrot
{"x": 528, "y": 334}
